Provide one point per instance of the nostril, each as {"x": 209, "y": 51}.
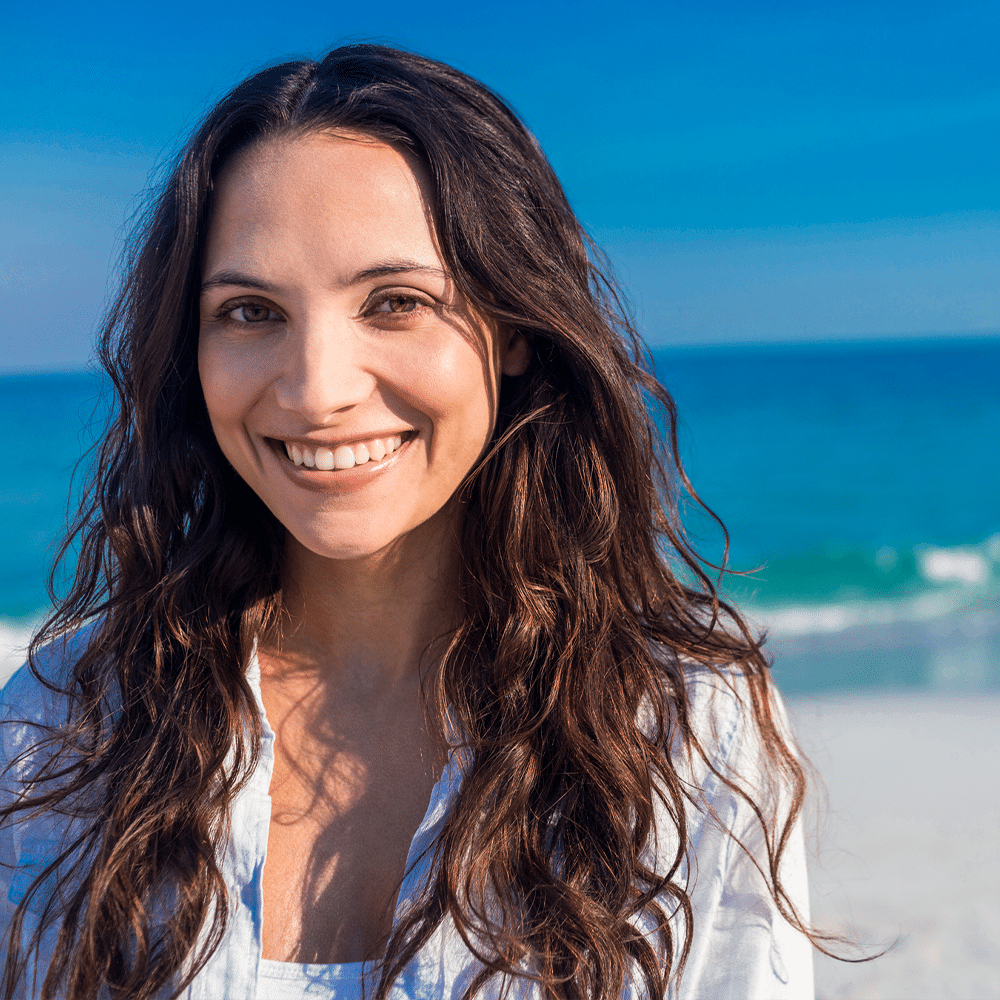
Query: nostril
{"x": 324, "y": 381}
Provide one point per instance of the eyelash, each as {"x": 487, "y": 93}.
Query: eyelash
{"x": 223, "y": 313}
{"x": 371, "y": 307}
{"x": 389, "y": 295}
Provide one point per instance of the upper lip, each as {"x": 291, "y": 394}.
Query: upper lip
{"x": 357, "y": 438}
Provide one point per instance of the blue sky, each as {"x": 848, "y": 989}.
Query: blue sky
{"x": 756, "y": 172}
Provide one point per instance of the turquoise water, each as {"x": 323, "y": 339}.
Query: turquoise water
{"x": 844, "y": 468}
{"x": 861, "y": 480}
{"x": 54, "y": 419}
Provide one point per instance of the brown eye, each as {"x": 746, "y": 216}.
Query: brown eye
{"x": 250, "y": 312}
{"x": 398, "y": 305}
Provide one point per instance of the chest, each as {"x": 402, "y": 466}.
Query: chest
{"x": 347, "y": 796}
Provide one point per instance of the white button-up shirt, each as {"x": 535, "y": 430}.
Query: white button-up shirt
{"x": 742, "y": 948}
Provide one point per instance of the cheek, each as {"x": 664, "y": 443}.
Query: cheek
{"x": 224, "y": 400}
{"x": 456, "y": 385}
{"x": 211, "y": 374}
{"x": 227, "y": 383}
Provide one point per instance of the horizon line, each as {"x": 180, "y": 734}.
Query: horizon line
{"x": 90, "y": 366}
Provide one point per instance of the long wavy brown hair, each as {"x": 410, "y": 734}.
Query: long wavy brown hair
{"x": 583, "y": 599}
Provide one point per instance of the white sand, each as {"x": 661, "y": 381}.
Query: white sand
{"x": 910, "y": 845}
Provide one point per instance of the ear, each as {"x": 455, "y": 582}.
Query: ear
{"x": 515, "y": 352}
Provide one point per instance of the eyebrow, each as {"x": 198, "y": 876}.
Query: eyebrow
{"x": 386, "y": 268}
{"x": 382, "y": 269}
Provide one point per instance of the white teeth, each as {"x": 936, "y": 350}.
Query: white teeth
{"x": 345, "y": 456}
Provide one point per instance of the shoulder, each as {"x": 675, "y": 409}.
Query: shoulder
{"x": 34, "y": 701}
{"x": 33, "y": 708}
{"x": 713, "y": 715}
{"x": 719, "y": 706}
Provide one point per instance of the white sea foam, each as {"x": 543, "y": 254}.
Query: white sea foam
{"x": 811, "y": 619}
{"x": 964, "y": 565}
{"x": 957, "y": 577}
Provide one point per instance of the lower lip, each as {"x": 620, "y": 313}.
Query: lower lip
{"x": 337, "y": 480}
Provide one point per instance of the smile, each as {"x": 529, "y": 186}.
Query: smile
{"x": 345, "y": 456}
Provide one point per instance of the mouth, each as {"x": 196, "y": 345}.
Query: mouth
{"x": 341, "y": 457}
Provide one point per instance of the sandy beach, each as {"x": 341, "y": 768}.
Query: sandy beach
{"x": 907, "y": 848}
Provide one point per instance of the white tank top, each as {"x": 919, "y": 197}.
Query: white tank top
{"x": 292, "y": 981}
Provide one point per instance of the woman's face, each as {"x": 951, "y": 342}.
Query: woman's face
{"x": 346, "y": 380}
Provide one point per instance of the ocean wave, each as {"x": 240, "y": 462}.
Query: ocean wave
{"x": 949, "y": 580}
{"x": 810, "y": 619}
{"x": 962, "y": 564}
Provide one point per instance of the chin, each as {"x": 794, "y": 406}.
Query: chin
{"x": 345, "y": 549}
{"x": 357, "y": 541}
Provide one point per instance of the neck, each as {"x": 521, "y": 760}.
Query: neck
{"x": 367, "y": 625}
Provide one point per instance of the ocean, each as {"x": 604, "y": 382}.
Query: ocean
{"x": 859, "y": 482}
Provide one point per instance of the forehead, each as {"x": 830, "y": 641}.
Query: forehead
{"x": 308, "y": 195}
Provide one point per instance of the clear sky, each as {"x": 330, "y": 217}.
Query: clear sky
{"x": 756, "y": 171}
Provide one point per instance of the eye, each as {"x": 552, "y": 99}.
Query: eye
{"x": 249, "y": 313}
{"x": 397, "y": 304}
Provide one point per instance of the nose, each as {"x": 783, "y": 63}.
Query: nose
{"x": 326, "y": 370}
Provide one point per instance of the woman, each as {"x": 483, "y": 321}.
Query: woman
{"x": 383, "y": 520}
